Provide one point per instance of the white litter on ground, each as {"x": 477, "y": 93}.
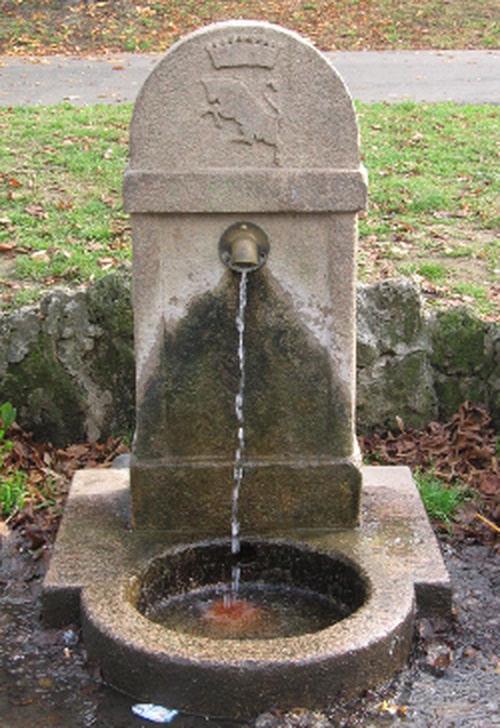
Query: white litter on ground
{"x": 154, "y": 713}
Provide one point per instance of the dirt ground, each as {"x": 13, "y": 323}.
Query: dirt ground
{"x": 453, "y": 678}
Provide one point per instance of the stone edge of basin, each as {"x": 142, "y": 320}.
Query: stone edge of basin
{"x": 96, "y": 555}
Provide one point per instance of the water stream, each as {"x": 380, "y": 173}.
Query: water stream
{"x": 240, "y": 449}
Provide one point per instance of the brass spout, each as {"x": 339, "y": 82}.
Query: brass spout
{"x": 245, "y": 251}
{"x": 244, "y": 247}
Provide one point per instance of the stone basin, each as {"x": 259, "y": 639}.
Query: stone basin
{"x": 100, "y": 567}
{"x": 283, "y": 590}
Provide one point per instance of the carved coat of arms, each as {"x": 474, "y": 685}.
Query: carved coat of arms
{"x": 250, "y": 113}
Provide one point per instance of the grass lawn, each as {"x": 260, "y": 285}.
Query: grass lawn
{"x": 67, "y": 26}
{"x": 433, "y": 208}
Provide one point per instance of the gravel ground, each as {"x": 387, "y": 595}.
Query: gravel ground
{"x": 453, "y": 678}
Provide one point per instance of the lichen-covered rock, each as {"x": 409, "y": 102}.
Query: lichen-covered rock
{"x": 48, "y": 400}
{"x": 394, "y": 377}
{"x": 458, "y": 342}
{"x": 68, "y": 366}
{"x": 465, "y": 357}
{"x": 18, "y": 331}
{"x": 492, "y": 390}
{"x": 389, "y": 320}
{"x": 112, "y": 365}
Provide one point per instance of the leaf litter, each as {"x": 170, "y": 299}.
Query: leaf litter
{"x": 463, "y": 451}
{"x": 48, "y": 471}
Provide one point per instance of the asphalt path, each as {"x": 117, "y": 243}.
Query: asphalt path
{"x": 464, "y": 77}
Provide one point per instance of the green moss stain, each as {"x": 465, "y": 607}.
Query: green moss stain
{"x": 464, "y": 361}
{"x": 110, "y": 305}
{"x": 48, "y": 400}
{"x": 451, "y": 393}
{"x": 113, "y": 363}
{"x": 458, "y": 342}
{"x": 189, "y": 403}
{"x": 293, "y": 406}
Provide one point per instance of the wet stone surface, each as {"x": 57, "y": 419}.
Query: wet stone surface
{"x": 452, "y": 680}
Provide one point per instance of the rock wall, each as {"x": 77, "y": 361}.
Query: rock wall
{"x": 68, "y": 365}
{"x": 394, "y": 373}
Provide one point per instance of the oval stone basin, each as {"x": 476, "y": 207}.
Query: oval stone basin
{"x": 283, "y": 590}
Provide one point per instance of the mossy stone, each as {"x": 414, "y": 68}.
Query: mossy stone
{"x": 458, "y": 342}
{"x": 112, "y": 366}
{"x": 401, "y": 386}
{"x": 293, "y": 405}
{"x": 452, "y": 392}
{"x": 48, "y": 401}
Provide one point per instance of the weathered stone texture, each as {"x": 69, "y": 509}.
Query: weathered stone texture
{"x": 98, "y": 560}
{"x": 465, "y": 356}
{"x": 68, "y": 366}
{"x": 394, "y": 375}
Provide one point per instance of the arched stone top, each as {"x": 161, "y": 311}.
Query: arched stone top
{"x": 243, "y": 95}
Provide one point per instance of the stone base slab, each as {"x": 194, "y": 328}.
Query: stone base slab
{"x": 185, "y": 497}
{"x": 97, "y": 556}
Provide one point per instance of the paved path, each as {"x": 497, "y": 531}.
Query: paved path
{"x": 462, "y": 76}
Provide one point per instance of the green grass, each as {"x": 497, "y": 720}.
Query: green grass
{"x": 13, "y": 489}
{"x": 433, "y": 272}
{"x": 7, "y": 418}
{"x": 54, "y": 26}
{"x": 472, "y": 291}
{"x": 60, "y": 195}
{"x": 13, "y": 492}
{"x": 434, "y": 190}
{"x": 431, "y": 162}
{"x": 434, "y": 187}
{"x": 441, "y": 501}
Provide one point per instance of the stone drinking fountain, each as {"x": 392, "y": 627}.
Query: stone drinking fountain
{"x": 247, "y": 560}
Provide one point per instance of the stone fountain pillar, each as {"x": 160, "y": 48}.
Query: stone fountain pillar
{"x": 244, "y": 123}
